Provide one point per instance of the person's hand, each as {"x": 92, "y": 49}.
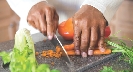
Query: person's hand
{"x": 44, "y": 17}
{"x": 89, "y": 25}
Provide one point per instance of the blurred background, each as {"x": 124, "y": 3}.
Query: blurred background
{"x": 121, "y": 24}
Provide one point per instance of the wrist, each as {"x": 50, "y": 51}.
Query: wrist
{"x": 98, "y": 4}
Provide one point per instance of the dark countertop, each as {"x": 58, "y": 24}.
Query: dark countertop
{"x": 89, "y": 64}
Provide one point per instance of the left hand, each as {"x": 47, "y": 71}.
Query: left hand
{"x": 44, "y": 17}
{"x": 89, "y": 26}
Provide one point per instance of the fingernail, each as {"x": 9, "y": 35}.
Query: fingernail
{"x": 54, "y": 36}
{"x": 90, "y": 52}
{"x": 102, "y": 49}
{"x": 84, "y": 54}
{"x": 50, "y": 37}
{"x": 77, "y": 52}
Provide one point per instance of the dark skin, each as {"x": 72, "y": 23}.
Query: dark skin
{"x": 89, "y": 25}
{"x": 44, "y": 17}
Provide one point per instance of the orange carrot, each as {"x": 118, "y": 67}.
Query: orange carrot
{"x": 96, "y": 52}
{"x": 69, "y": 47}
{"x": 52, "y": 63}
{"x": 71, "y": 52}
{"x": 52, "y": 53}
{"x": 58, "y": 49}
{"x": 37, "y": 53}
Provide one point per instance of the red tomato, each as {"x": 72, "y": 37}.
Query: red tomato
{"x": 107, "y": 31}
{"x": 65, "y": 29}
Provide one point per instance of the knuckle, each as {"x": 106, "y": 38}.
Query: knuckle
{"x": 50, "y": 24}
{"x": 29, "y": 18}
{"x": 94, "y": 40}
{"x": 44, "y": 29}
{"x": 49, "y": 9}
{"x": 76, "y": 21}
{"x": 103, "y": 22}
{"x": 85, "y": 41}
{"x": 37, "y": 13}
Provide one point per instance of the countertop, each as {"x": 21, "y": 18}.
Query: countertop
{"x": 89, "y": 64}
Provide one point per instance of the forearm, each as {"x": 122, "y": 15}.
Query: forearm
{"x": 107, "y": 7}
{"x": 22, "y": 7}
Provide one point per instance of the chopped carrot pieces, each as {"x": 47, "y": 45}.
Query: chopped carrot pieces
{"x": 37, "y": 53}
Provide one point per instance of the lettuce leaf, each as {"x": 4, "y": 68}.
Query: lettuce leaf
{"x": 23, "y": 55}
{"x": 5, "y": 57}
{"x": 22, "y": 58}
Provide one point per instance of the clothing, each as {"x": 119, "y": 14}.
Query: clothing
{"x": 64, "y": 8}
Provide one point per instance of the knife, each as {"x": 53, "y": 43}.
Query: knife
{"x": 56, "y": 42}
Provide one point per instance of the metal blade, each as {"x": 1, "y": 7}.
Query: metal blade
{"x": 55, "y": 41}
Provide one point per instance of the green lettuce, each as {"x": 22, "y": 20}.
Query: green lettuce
{"x": 22, "y": 58}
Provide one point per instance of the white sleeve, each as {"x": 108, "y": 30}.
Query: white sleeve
{"x": 107, "y": 7}
{"x": 22, "y": 7}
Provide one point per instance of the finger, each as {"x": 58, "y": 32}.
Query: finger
{"x": 50, "y": 26}
{"x": 85, "y": 41}
{"x": 93, "y": 39}
{"x": 43, "y": 25}
{"x": 56, "y": 22}
{"x": 101, "y": 40}
{"x": 37, "y": 24}
{"x": 77, "y": 33}
{"x": 31, "y": 22}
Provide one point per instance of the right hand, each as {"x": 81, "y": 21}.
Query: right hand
{"x": 89, "y": 27}
{"x": 44, "y": 17}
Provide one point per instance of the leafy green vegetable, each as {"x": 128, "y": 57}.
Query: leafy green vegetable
{"x": 22, "y": 58}
{"x": 110, "y": 69}
{"x": 124, "y": 49}
{"x": 107, "y": 69}
{"x": 43, "y": 68}
{"x": 127, "y": 52}
{"x": 23, "y": 55}
{"x": 5, "y": 57}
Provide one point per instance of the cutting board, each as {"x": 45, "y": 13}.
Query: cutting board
{"x": 79, "y": 64}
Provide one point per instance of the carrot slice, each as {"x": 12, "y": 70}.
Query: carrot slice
{"x": 37, "y": 53}
{"x": 69, "y": 47}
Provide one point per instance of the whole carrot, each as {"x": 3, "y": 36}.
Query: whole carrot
{"x": 96, "y": 52}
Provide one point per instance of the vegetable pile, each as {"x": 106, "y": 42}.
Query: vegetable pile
{"x": 22, "y": 57}
{"x": 51, "y": 53}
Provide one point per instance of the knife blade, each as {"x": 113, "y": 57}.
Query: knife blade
{"x": 56, "y": 42}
